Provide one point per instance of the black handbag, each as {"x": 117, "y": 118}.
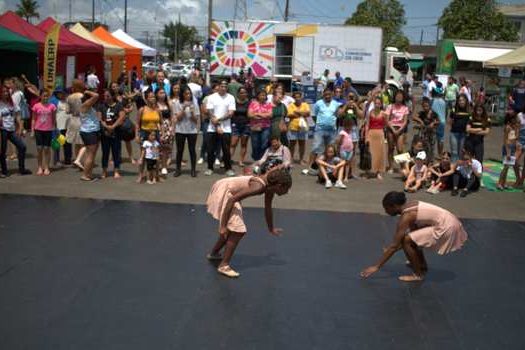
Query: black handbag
{"x": 365, "y": 158}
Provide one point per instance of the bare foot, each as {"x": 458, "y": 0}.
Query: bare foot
{"x": 47, "y": 172}
{"x": 78, "y": 165}
{"x": 379, "y": 177}
{"x": 411, "y": 278}
{"x": 40, "y": 172}
{"x": 116, "y": 175}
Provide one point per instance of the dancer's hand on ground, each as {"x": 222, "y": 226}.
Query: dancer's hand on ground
{"x": 369, "y": 271}
{"x": 276, "y": 231}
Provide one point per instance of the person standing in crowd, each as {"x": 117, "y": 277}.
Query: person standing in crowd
{"x": 205, "y": 121}
{"x": 195, "y": 85}
{"x": 92, "y": 80}
{"x": 425, "y": 86}
{"x": 426, "y": 124}
{"x": 324, "y": 79}
{"x": 127, "y": 129}
{"x": 338, "y": 81}
{"x": 509, "y": 149}
{"x": 458, "y": 126}
{"x": 279, "y": 89}
{"x": 348, "y": 88}
{"x": 221, "y": 106}
{"x": 241, "y": 125}
{"x": 477, "y": 128}
{"x": 44, "y": 123}
{"x": 63, "y": 118}
{"x": 521, "y": 148}
{"x": 198, "y": 51}
{"x": 112, "y": 116}
{"x": 279, "y": 126}
{"x": 345, "y": 145}
{"x": 338, "y": 96}
{"x": 74, "y": 101}
{"x": 375, "y": 136}
{"x": 89, "y": 132}
{"x": 518, "y": 97}
{"x": 150, "y": 155}
{"x": 161, "y": 82}
{"x": 465, "y": 89}
{"x": 396, "y": 127}
{"x": 11, "y": 130}
{"x": 298, "y": 112}
{"x": 167, "y": 132}
{"x": 187, "y": 115}
{"x": 271, "y": 86}
{"x": 148, "y": 120}
{"x": 249, "y": 82}
{"x": 260, "y": 114}
{"x": 481, "y": 97}
{"x": 439, "y": 106}
{"x": 451, "y": 94}
{"x": 234, "y": 86}
{"x": 326, "y": 111}
{"x": 355, "y": 114}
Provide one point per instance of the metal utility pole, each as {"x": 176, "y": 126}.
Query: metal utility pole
{"x": 210, "y": 16}
{"x": 70, "y": 6}
{"x": 421, "y": 38}
{"x": 286, "y": 10}
{"x": 93, "y": 15}
{"x": 126, "y": 16}
{"x": 437, "y": 34}
{"x": 176, "y": 55}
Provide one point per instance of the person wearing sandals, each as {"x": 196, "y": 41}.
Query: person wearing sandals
{"x": 241, "y": 125}
{"x": 224, "y": 204}
{"x": 89, "y": 132}
{"x": 428, "y": 226}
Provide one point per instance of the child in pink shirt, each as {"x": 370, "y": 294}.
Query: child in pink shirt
{"x": 44, "y": 123}
{"x": 345, "y": 145}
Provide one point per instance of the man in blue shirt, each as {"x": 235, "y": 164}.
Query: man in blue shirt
{"x": 162, "y": 82}
{"x": 439, "y": 106}
{"x": 339, "y": 81}
{"x": 326, "y": 111}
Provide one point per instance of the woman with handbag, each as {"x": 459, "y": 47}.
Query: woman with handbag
{"x": 298, "y": 126}
{"x": 375, "y": 137}
{"x": 260, "y": 114}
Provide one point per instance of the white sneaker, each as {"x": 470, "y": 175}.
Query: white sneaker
{"x": 208, "y": 172}
{"x": 340, "y": 184}
{"x": 217, "y": 162}
{"x": 230, "y": 173}
{"x": 164, "y": 171}
{"x": 200, "y": 161}
{"x": 328, "y": 184}
{"x": 304, "y": 172}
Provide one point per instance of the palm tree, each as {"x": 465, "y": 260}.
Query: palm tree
{"x": 28, "y": 9}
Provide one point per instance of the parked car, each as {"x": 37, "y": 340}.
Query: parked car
{"x": 180, "y": 70}
{"x": 149, "y": 65}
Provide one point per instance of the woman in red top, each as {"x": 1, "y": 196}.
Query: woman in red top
{"x": 375, "y": 136}
{"x": 396, "y": 128}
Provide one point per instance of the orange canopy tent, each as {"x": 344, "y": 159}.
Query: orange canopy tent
{"x": 133, "y": 54}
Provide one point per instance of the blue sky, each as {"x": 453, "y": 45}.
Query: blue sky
{"x": 150, "y": 16}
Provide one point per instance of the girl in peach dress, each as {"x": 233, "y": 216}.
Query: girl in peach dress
{"x": 430, "y": 227}
{"x": 224, "y": 204}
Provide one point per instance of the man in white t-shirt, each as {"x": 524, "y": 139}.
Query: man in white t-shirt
{"x": 92, "y": 81}
{"x": 220, "y": 106}
{"x": 196, "y": 89}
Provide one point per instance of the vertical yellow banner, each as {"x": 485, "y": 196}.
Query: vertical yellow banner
{"x": 50, "y": 57}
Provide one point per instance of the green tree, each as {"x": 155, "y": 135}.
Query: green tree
{"x": 476, "y": 20}
{"x": 177, "y": 37}
{"x": 387, "y": 14}
{"x": 28, "y": 9}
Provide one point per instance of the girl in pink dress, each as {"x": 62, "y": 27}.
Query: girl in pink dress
{"x": 430, "y": 227}
{"x": 224, "y": 204}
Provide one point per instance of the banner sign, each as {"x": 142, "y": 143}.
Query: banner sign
{"x": 50, "y": 57}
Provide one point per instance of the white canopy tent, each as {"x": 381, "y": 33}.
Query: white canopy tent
{"x": 123, "y": 36}
{"x": 478, "y": 54}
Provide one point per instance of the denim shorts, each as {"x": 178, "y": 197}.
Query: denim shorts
{"x": 322, "y": 138}
{"x": 241, "y": 130}
{"x": 346, "y": 155}
{"x": 512, "y": 150}
{"x": 297, "y": 135}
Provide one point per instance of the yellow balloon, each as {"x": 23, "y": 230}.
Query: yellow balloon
{"x": 61, "y": 139}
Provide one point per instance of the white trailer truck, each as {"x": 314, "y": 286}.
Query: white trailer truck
{"x": 289, "y": 50}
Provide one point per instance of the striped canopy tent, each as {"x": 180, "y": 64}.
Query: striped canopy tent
{"x": 113, "y": 54}
{"x": 133, "y": 55}
{"x": 87, "y": 53}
